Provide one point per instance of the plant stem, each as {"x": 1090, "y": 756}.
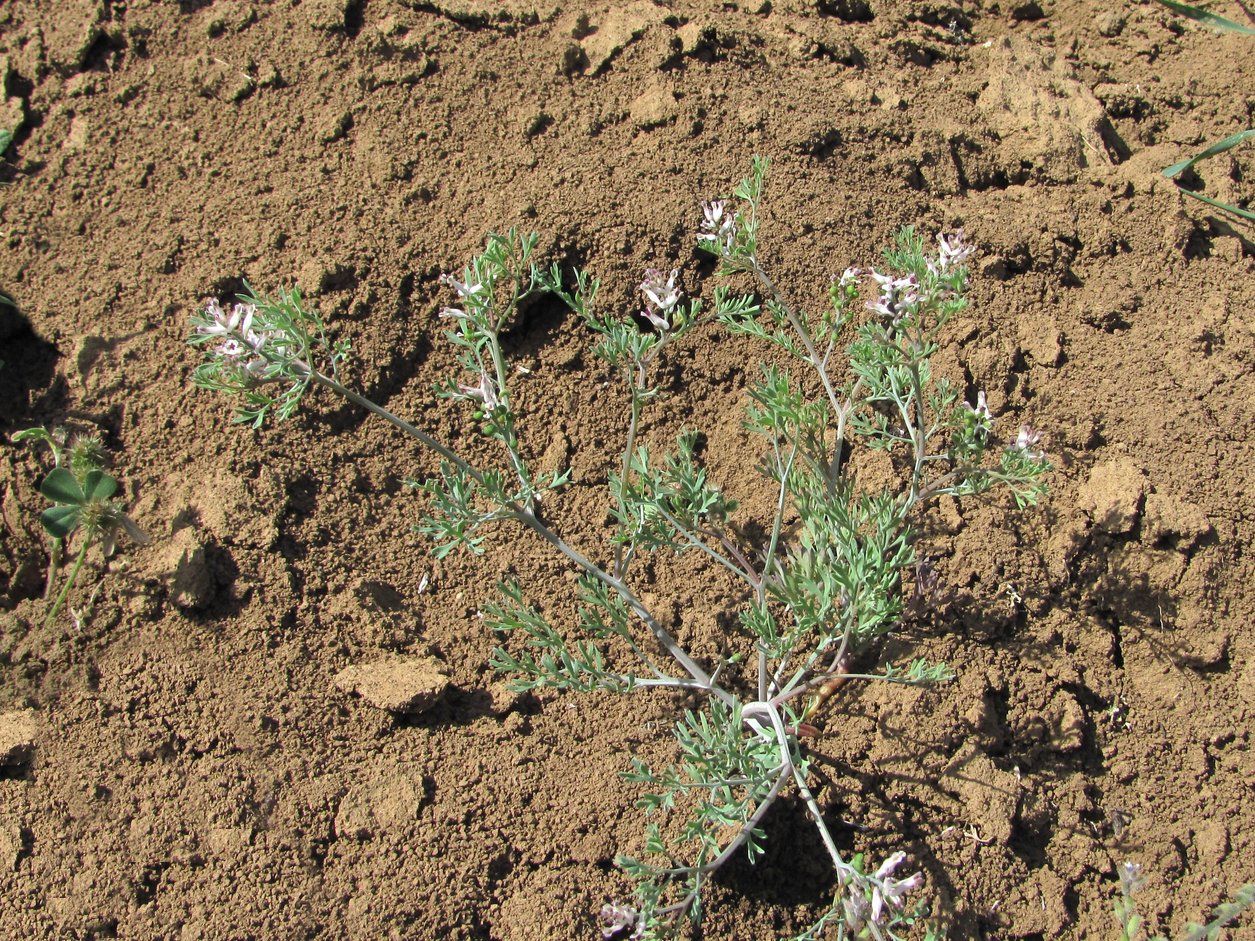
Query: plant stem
{"x": 803, "y": 334}
{"x": 921, "y": 433}
{"x": 530, "y": 520}
{"x": 512, "y": 439}
{"x": 54, "y": 563}
{"x": 69, "y": 582}
{"x": 621, "y": 560}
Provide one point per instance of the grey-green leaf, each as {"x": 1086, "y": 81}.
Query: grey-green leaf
{"x": 60, "y": 521}
{"x": 98, "y": 485}
{"x": 61, "y": 487}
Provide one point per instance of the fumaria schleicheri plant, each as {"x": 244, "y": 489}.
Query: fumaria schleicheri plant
{"x": 822, "y": 585}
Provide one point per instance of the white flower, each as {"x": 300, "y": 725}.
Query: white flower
{"x": 484, "y": 392}
{"x": 953, "y": 250}
{"x": 662, "y": 295}
{"x": 1027, "y": 441}
{"x": 238, "y": 336}
{"x": 718, "y": 225}
{"x": 980, "y": 409}
{"x": 217, "y": 323}
{"x": 660, "y": 322}
{"x": 617, "y": 918}
{"x": 849, "y": 276}
{"x": 472, "y": 285}
{"x": 1130, "y": 877}
{"x": 240, "y": 321}
{"x": 897, "y": 295}
{"x": 892, "y": 891}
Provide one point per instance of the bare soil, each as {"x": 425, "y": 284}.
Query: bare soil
{"x": 179, "y": 759}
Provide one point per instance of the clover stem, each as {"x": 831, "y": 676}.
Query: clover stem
{"x": 54, "y": 563}
{"x": 69, "y": 582}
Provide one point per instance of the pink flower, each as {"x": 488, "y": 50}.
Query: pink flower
{"x": 953, "y": 250}
{"x": 1027, "y": 441}
{"x": 892, "y": 891}
{"x": 718, "y": 225}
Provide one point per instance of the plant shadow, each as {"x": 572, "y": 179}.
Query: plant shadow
{"x": 29, "y": 388}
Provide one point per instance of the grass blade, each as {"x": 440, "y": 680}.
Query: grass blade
{"x": 1208, "y": 19}
{"x": 1217, "y": 148}
{"x": 1241, "y": 213}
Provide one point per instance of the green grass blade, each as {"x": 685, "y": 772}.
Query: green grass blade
{"x": 1241, "y": 213}
{"x": 1208, "y": 19}
{"x": 1217, "y": 148}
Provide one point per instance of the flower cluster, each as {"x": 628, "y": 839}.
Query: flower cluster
{"x": 662, "y": 295}
{"x": 464, "y": 289}
{"x": 889, "y": 893}
{"x": 899, "y": 297}
{"x": 718, "y": 229}
{"x": 239, "y": 339}
{"x": 953, "y": 250}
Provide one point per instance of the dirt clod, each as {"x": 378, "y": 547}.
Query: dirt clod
{"x": 1113, "y": 495}
{"x": 400, "y": 684}
{"x": 18, "y": 729}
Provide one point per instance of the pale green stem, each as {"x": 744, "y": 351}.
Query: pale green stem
{"x": 69, "y": 582}
{"x": 921, "y": 433}
{"x": 701, "y": 544}
{"x": 621, "y": 560}
{"x": 802, "y": 333}
{"x": 512, "y": 439}
{"x": 529, "y": 519}
{"x": 54, "y": 564}
{"x": 769, "y": 558}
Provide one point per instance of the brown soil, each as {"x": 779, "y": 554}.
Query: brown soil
{"x": 180, "y": 760}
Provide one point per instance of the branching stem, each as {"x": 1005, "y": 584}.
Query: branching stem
{"x": 530, "y": 520}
